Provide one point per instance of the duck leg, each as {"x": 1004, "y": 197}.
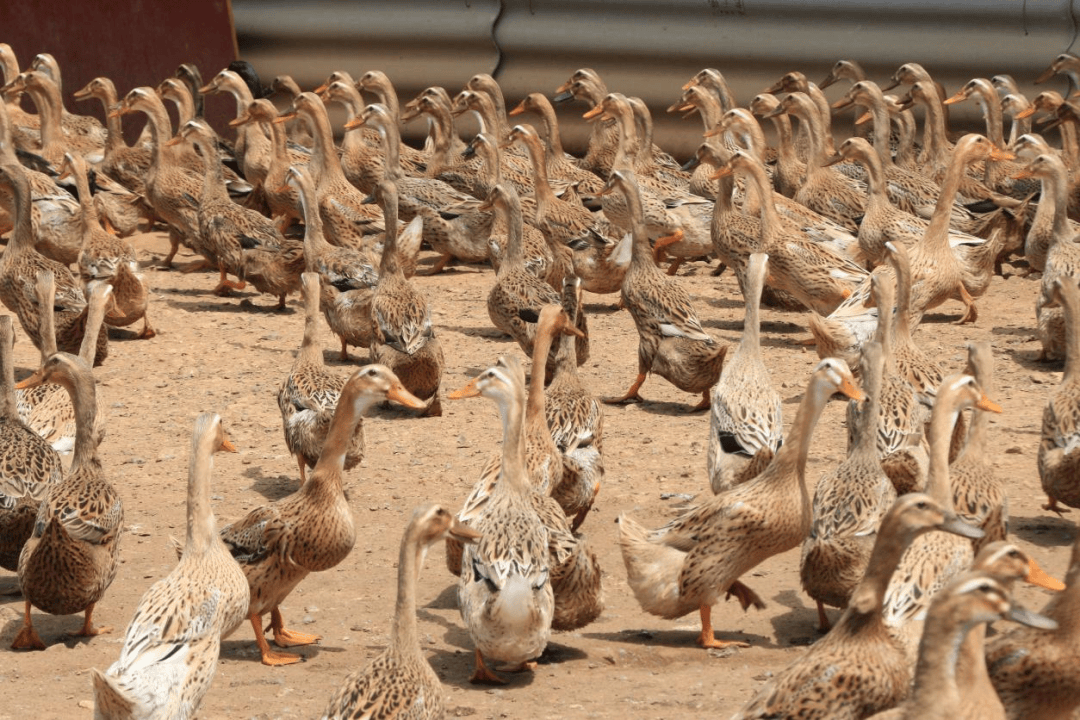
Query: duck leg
{"x": 824, "y": 625}
{"x": 661, "y": 243}
{"x": 580, "y": 517}
{"x": 174, "y": 247}
{"x": 147, "y": 331}
{"x": 225, "y": 285}
{"x": 88, "y": 629}
{"x": 1052, "y": 506}
{"x": 344, "y": 349}
{"x": 484, "y": 676}
{"x": 281, "y": 302}
{"x": 270, "y": 657}
{"x": 303, "y": 467}
{"x": 706, "y": 639}
{"x": 631, "y": 395}
{"x": 706, "y": 401}
{"x": 284, "y": 637}
{"x": 971, "y": 313}
{"x": 27, "y": 637}
{"x": 674, "y": 266}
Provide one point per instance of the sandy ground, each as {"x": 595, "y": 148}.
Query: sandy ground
{"x": 229, "y": 356}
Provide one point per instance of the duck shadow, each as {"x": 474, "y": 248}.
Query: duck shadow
{"x": 53, "y": 629}
{"x": 797, "y": 626}
{"x": 676, "y": 639}
{"x": 657, "y": 407}
{"x": 1044, "y": 530}
{"x": 454, "y": 667}
{"x": 725, "y": 303}
{"x": 1029, "y": 360}
{"x": 219, "y": 305}
{"x": 486, "y": 332}
{"x": 598, "y": 309}
{"x": 271, "y": 487}
{"x": 245, "y": 650}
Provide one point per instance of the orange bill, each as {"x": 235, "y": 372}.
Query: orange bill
{"x": 1039, "y": 578}
{"x": 283, "y": 118}
{"x": 463, "y": 533}
{"x": 958, "y": 97}
{"x": 400, "y": 395}
{"x": 1026, "y": 112}
{"x": 469, "y": 390}
{"x": 518, "y": 109}
{"x": 985, "y": 403}
{"x": 849, "y": 388}
{"x": 594, "y": 112}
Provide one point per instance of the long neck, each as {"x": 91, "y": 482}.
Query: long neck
{"x": 751, "y": 334}
{"x": 793, "y": 453}
{"x": 95, "y": 314}
{"x": 875, "y": 173}
{"x": 868, "y": 599}
{"x": 354, "y": 105}
{"x": 350, "y": 408}
{"x": 785, "y": 141}
{"x": 942, "y": 421}
{"x": 937, "y": 232}
{"x": 47, "y": 323}
{"x": 515, "y": 245}
{"x": 991, "y": 107}
{"x": 279, "y": 148}
{"x": 185, "y": 105}
{"x": 324, "y": 155}
{"x": 545, "y": 335}
{"x": 403, "y": 635}
{"x": 866, "y": 443}
{"x": 314, "y": 242}
{"x": 86, "y": 202}
{"x": 388, "y": 265}
{"x": 824, "y": 114}
{"x": 392, "y": 147}
{"x": 8, "y": 409}
{"x": 640, "y": 253}
{"x": 551, "y": 127}
{"x": 47, "y": 99}
{"x": 310, "y": 350}
{"x": 201, "y": 529}
{"x": 770, "y": 219}
{"x": 541, "y": 186}
{"x": 387, "y": 96}
{"x": 440, "y": 132}
{"x": 1072, "y": 340}
{"x": 710, "y": 109}
{"x": 160, "y": 128}
{"x": 7, "y": 144}
{"x": 935, "y": 140}
{"x": 241, "y": 93}
{"x": 810, "y": 115}
{"x": 114, "y": 126}
{"x": 512, "y": 414}
{"x": 22, "y": 237}
{"x": 1056, "y": 189}
{"x": 84, "y": 401}
{"x": 935, "y": 686}
{"x": 627, "y": 145}
{"x": 214, "y": 180}
{"x": 882, "y": 128}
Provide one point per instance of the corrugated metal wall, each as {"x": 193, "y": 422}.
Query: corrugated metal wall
{"x": 649, "y": 48}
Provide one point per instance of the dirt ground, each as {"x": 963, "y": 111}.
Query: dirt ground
{"x": 229, "y": 355}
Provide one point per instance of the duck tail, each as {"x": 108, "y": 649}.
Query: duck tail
{"x": 110, "y": 700}
{"x": 652, "y": 570}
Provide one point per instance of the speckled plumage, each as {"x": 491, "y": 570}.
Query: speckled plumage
{"x": 172, "y": 642}
{"x": 1059, "y": 456}
{"x": 28, "y": 465}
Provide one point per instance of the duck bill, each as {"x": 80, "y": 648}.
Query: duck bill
{"x": 691, "y": 164}
{"x": 958, "y": 97}
{"x": 721, "y": 173}
{"x": 33, "y": 381}
{"x": 892, "y": 83}
{"x": 469, "y": 390}
{"x": 227, "y": 446}
{"x": 843, "y": 103}
{"x": 1026, "y": 112}
{"x": 175, "y": 140}
{"x": 1046, "y": 75}
{"x": 1030, "y": 618}
{"x": 1040, "y": 578}
{"x": 999, "y": 154}
{"x": 83, "y": 94}
{"x": 775, "y": 112}
{"x": 594, "y": 113}
{"x": 208, "y": 88}
{"x": 356, "y": 122}
{"x": 680, "y": 107}
{"x": 985, "y": 403}
{"x": 240, "y": 120}
{"x": 775, "y": 88}
{"x": 401, "y": 396}
{"x": 864, "y": 118}
{"x": 117, "y": 111}
{"x": 956, "y": 526}
{"x": 283, "y": 118}
{"x": 833, "y": 159}
{"x": 519, "y": 109}
{"x": 848, "y": 388}
{"x": 1023, "y": 175}
{"x": 463, "y": 533}
{"x": 321, "y": 89}
{"x": 830, "y": 79}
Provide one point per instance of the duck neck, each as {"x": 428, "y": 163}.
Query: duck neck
{"x": 241, "y": 94}
{"x": 324, "y": 155}
{"x": 387, "y": 96}
{"x": 185, "y": 104}
{"x": 770, "y": 219}
{"x": 1072, "y": 339}
{"x": 868, "y": 599}
{"x": 541, "y": 187}
{"x": 310, "y": 350}
{"x": 785, "y": 140}
{"x": 866, "y": 444}
{"x": 710, "y": 109}
{"x": 1056, "y": 190}
{"x": 875, "y": 175}
{"x": 214, "y": 179}
{"x": 641, "y": 256}
{"x": 84, "y": 401}
{"x": 935, "y": 670}
{"x": 942, "y": 421}
{"x": 353, "y": 103}
{"x": 751, "y": 334}
{"x": 511, "y": 412}
{"x": 515, "y": 246}
{"x": 7, "y": 144}
{"x": 535, "y": 405}
{"x": 160, "y": 129}
{"x": 440, "y": 131}
{"x": 352, "y": 404}
{"x": 796, "y": 448}
{"x": 314, "y": 242}
{"x": 551, "y": 126}
{"x": 49, "y": 105}
{"x": 882, "y": 130}
{"x": 404, "y": 638}
{"x": 990, "y": 102}
{"x": 935, "y": 139}
{"x": 22, "y": 237}
{"x": 114, "y": 125}
{"x": 279, "y": 150}
{"x": 8, "y": 409}
{"x": 811, "y": 117}
{"x": 936, "y": 238}
{"x": 626, "y": 147}
{"x": 392, "y": 147}
{"x": 201, "y": 531}
{"x": 388, "y": 264}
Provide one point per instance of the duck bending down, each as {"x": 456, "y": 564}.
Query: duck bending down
{"x": 689, "y": 563}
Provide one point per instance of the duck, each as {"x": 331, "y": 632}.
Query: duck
{"x": 856, "y": 669}
{"x": 505, "y": 589}
{"x": 688, "y": 563}
{"x": 586, "y": 84}
{"x": 671, "y": 341}
{"x": 575, "y": 420}
{"x": 125, "y": 164}
{"x": 26, "y": 124}
{"x": 1051, "y": 224}
{"x": 309, "y": 394}
{"x": 104, "y": 256}
{"x": 29, "y": 466}
{"x": 1031, "y": 669}
{"x": 560, "y": 165}
{"x": 172, "y": 643}
{"x": 362, "y": 160}
{"x": 403, "y": 337}
{"x": 746, "y": 425}
{"x": 399, "y": 683}
{"x": 1058, "y": 443}
{"x": 849, "y": 504}
{"x": 345, "y": 218}
{"x": 796, "y": 82}
{"x": 19, "y": 267}
{"x": 252, "y": 146}
{"x": 933, "y": 560}
{"x": 47, "y": 409}
{"x": 84, "y": 129}
{"x": 969, "y": 600}
{"x": 283, "y": 200}
{"x": 378, "y": 84}
{"x": 311, "y": 530}
{"x": 57, "y": 137}
{"x": 171, "y": 189}
{"x": 349, "y": 275}
{"x": 71, "y": 558}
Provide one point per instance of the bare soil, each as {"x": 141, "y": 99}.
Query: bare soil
{"x": 229, "y": 355}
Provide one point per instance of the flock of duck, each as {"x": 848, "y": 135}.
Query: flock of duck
{"x": 907, "y": 535}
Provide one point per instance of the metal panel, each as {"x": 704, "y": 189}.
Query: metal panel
{"x": 650, "y": 48}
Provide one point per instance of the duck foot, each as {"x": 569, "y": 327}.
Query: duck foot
{"x": 631, "y": 395}
{"x": 482, "y": 676}
{"x": 971, "y": 313}
{"x": 147, "y": 331}
{"x": 88, "y": 629}
{"x": 705, "y": 403}
{"x": 284, "y": 637}
{"x": 27, "y": 639}
{"x": 824, "y": 625}
{"x": 270, "y": 657}
{"x": 1052, "y": 506}
{"x": 707, "y": 640}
